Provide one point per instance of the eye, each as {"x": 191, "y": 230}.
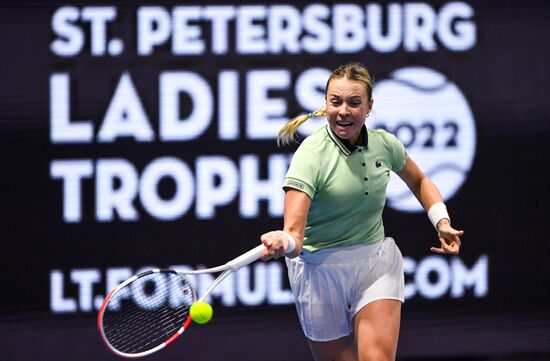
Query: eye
{"x": 355, "y": 103}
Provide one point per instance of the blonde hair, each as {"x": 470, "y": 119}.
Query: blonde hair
{"x": 352, "y": 71}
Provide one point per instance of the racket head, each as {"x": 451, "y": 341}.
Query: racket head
{"x": 146, "y": 312}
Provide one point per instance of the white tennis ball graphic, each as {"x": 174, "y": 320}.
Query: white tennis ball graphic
{"x": 431, "y": 116}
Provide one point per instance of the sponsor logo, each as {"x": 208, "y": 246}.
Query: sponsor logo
{"x": 294, "y": 184}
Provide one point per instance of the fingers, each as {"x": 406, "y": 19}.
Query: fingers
{"x": 437, "y": 250}
{"x": 451, "y": 246}
{"x": 446, "y": 229}
{"x": 456, "y": 233}
{"x": 275, "y": 245}
{"x": 449, "y": 239}
{"x": 443, "y": 250}
{"x": 268, "y": 252}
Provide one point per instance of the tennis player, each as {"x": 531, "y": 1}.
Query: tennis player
{"x": 346, "y": 276}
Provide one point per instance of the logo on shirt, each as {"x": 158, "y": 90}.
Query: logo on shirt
{"x": 378, "y": 164}
{"x": 295, "y": 184}
{"x": 433, "y": 119}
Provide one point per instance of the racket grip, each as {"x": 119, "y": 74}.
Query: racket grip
{"x": 246, "y": 258}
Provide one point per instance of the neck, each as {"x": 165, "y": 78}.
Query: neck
{"x": 357, "y": 139}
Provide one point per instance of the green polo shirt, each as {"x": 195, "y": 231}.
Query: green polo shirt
{"x": 346, "y": 184}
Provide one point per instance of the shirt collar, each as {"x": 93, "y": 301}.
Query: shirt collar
{"x": 344, "y": 145}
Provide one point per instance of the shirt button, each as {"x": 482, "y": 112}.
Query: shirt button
{"x": 366, "y": 179}
{"x": 363, "y": 164}
{"x": 366, "y": 193}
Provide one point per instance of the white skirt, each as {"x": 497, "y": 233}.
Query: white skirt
{"x": 331, "y": 285}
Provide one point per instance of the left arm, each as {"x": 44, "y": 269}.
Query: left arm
{"x": 428, "y": 195}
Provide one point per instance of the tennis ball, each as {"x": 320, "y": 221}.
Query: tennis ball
{"x": 201, "y": 312}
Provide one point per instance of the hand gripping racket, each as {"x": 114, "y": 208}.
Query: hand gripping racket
{"x": 150, "y": 310}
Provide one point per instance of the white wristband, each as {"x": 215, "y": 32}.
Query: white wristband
{"x": 291, "y": 242}
{"x": 437, "y": 212}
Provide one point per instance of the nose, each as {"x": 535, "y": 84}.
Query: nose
{"x": 344, "y": 110}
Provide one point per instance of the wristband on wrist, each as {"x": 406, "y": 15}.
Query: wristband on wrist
{"x": 291, "y": 242}
{"x": 437, "y": 212}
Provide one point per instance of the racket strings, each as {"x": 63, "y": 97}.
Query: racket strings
{"x": 146, "y": 335}
{"x": 142, "y": 335}
{"x": 147, "y": 312}
{"x": 136, "y": 332}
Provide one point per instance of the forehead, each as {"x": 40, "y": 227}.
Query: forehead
{"x": 346, "y": 87}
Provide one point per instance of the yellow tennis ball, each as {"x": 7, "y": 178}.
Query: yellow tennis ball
{"x": 201, "y": 312}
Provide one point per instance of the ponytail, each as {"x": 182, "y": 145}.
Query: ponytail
{"x": 287, "y": 134}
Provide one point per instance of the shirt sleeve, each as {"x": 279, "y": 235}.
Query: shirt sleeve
{"x": 303, "y": 172}
{"x": 399, "y": 153}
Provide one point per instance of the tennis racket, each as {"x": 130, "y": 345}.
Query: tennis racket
{"x": 150, "y": 310}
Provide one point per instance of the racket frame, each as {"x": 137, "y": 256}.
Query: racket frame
{"x": 226, "y": 269}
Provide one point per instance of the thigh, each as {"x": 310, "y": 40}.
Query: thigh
{"x": 376, "y": 328}
{"x": 384, "y": 281}
{"x": 342, "y": 349}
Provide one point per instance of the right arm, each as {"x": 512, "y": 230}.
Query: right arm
{"x": 295, "y": 215}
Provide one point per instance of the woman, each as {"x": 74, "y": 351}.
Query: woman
{"x": 346, "y": 276}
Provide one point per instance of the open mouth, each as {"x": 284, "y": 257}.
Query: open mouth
{"x": 344, "y": 124}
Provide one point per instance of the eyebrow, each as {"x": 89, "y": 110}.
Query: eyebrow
{"x": 353, "y": 97}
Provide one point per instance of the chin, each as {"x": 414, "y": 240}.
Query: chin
{"x": 347, "y": 134}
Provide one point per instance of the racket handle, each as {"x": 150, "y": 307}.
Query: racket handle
{"x": 246, "y": 258}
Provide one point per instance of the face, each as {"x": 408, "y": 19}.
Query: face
{"x": 347, "y": 105}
